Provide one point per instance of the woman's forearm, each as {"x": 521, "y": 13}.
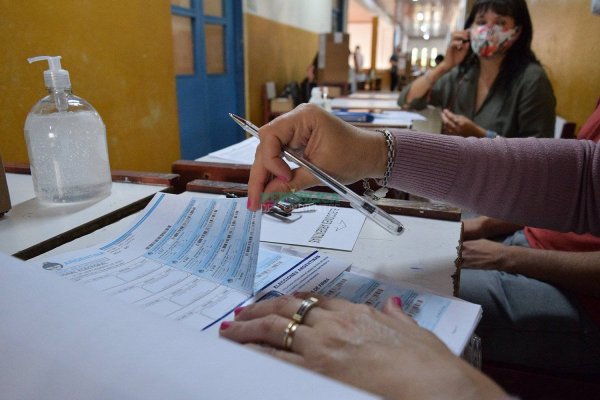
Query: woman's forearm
{"x": 424, "y": 83}
{"x": 578, "y": 272}
{"x": 545, "y": 183}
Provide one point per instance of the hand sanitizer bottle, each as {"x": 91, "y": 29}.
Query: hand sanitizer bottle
{"x": 66, "y": 143}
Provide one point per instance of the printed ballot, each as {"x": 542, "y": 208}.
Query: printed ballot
{"x": 195, "y": 259}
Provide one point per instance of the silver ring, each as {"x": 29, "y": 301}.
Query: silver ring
{"x": 305, "y": 307}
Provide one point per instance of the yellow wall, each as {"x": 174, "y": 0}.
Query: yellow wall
{"x": 565, "y": 39}
{"x": 119, "y": 56}
{"x": 274, "y": 52}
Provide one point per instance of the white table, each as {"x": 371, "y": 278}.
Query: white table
{"x": 31, "y": 227}
{"x": 424, "y": 254}
{"x": 350, "y": 103}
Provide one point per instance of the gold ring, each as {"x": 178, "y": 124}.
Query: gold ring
{"x": 305, "y": 307}
{"x": 288, "y": 335}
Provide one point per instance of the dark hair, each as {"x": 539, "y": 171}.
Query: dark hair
{"x": 520, "y": 54}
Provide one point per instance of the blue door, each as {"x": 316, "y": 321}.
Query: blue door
{"x": 208, "y": 53}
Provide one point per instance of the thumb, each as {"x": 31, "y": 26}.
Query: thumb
{"x": 301, "y": 179}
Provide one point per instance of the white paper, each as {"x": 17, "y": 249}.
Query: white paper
{"x": 315, "y": 226}
{"x": 239, "y": 153}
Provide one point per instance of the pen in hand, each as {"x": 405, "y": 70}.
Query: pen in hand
{"x": 357, "y": 202}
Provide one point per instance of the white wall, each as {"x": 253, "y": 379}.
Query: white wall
{"x": 310, "y": 15}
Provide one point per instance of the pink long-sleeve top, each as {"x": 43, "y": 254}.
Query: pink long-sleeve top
{"x": 547, "y": 183}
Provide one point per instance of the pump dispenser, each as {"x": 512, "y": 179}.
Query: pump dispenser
{"x": 66, "y": 142}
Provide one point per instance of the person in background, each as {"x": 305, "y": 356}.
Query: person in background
{"x": 394, "y": 60}
{"x": 310, "y": 80}
{"x": 386, "y": 352}
{"x": 490, "y": 82}
{"x": 539, "y": 290}
{"x": 358, "y": 60}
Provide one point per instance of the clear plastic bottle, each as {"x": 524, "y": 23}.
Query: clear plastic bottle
{"x": 66, "y": 143}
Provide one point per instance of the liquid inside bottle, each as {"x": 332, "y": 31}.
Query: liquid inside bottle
{"x": 68, "y": 156}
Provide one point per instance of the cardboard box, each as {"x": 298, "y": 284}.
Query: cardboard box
{"x": 282, "y": 104}
{"x": 334, "y": 51}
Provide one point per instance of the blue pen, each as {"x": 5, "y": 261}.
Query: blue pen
{"x": 362, "y": 204}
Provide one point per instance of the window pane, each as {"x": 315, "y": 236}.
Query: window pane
{"x": 215, "y": 49}
{"x": 424, "y": 57}
{"x": 213, "y": 8}
{"x": 183, "y": 50}
{"x": 182, "y": 3}
{"x": 414, "y": 56}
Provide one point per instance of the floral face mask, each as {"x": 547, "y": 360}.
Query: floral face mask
{"x": 487, "y": 41}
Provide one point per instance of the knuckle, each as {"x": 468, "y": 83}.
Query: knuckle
{"x": 267, "y": 324}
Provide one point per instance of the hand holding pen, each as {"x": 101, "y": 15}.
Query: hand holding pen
{"x": 457, "y": 50}
{"x": 326, "y": 147}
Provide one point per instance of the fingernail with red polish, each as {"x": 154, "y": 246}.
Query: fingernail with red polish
{"x": 238, "y": 310}
{"x": 267, "y": 206}
{"x": 397, "y": 301}
{"x": 225, "y": 325}
{"x": 283, "y": 178}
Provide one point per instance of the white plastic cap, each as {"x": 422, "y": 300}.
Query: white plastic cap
{"x": 55, "y": 76}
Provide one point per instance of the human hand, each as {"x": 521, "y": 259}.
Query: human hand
{"x": 460, "y": 125}
{"x": 457, "y": 50}
{"x": 382, "y": 352}
{"x": 485, "y": 254}
{"x": 340, "y": 149}
{"x": 473, "y": 228}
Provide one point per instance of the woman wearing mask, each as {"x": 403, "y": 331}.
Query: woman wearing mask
{"x": 490, "y": 82}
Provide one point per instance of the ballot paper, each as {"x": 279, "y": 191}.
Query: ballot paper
{"x": 191, "y": 259}
{"x": 452, "y": 320}
{"x": 315, "y": 226}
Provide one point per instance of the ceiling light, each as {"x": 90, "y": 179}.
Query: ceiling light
{"x": 420, "y": 16}
{"x": 426, "y": 36}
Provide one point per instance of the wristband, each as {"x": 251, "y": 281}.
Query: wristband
{"x": 391, "y": 154}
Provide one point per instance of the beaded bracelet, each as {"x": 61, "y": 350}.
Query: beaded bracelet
{"x": 391, "y": 154}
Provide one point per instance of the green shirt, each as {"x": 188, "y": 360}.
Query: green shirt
{"x": 525, "y": 107}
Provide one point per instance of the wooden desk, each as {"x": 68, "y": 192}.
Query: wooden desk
{"x": 31, "y": 227}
